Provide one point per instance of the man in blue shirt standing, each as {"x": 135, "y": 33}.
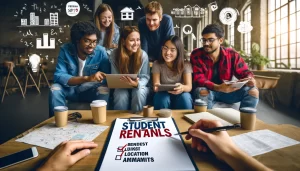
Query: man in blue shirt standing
{"x": 154, "y": 28}
{"x": 81, "y": 67}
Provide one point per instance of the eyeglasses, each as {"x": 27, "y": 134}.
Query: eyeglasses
{"x": 165, "y": 49}
{"x": 209, "y": 41}
{"x": 89, "y": 42}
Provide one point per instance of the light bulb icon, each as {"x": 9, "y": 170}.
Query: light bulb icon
{"x": 34, "y": 62}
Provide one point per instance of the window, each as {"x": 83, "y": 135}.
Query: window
{"x": 284, "y": 33}
{"x": 231, "y": 34}
{"x": 247, "y": 36}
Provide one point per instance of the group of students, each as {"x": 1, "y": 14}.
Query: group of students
{"x": 80, "y": 78}
{"x": 101, "y": 48}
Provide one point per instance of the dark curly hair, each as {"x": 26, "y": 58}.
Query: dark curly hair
{"x": 214, "y": 28}
{"x": 82, "y": 28}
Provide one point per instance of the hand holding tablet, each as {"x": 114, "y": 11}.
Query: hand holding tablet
{"x": 117, "y": 80}
{"x": 167, "y": 87}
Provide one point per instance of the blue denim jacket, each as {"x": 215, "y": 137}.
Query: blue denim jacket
{"x": 67, "y": 63}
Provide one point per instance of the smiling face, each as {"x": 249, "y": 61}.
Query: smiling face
{"x": 106, "y": 18}
{"x": 169, "y": 52}
{"x": 132, "y": 42}
{"x": 87, "y": 44}
{"x": 153, "y": 21}
{"x": 211, "y": 42}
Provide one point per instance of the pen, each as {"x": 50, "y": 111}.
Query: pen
{"x": 209, "y": 130}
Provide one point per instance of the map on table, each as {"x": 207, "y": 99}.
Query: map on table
{"x": 49, "y": 136}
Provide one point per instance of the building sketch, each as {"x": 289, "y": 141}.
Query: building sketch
{"x": 32, "y": 18}
{"x": 188, "y": 12}
{"x": 54, "y": 19}
{"x": 46, "y": 22}
{"x": 23, "y": 21}
{"x": 127, "y": 13}
{"x": 37, "y": 20}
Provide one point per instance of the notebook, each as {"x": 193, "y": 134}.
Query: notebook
{"x": 227, "y": 116}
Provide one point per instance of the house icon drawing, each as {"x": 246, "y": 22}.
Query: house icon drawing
{"x": 127, "y": 13}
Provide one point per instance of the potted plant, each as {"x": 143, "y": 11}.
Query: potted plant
{"x": 257, "y": 58}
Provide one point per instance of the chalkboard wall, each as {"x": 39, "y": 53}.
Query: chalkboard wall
{"x": 18, "y": 40}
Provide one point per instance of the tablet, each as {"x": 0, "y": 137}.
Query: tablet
{"x": 113, "y": 80}
{"x": 166, "y": 87}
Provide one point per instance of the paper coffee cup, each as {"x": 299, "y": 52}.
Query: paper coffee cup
{"x": 248, "y": 118}
{"x": 61, "y": 116}
{"x": 99, "y": 111}
{"x": 200, "y": 106}
{"x": 148, "y": 111}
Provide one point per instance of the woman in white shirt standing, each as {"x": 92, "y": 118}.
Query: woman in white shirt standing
{"x": 105, "y": 22}
{"x": 170, "y": 68}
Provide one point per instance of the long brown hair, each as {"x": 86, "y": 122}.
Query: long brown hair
{"x": 178, "y": 63}
{"x": 125, "y": 63}
{"x": 110, "y": 31}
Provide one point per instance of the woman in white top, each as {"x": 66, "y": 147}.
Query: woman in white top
{"x": 170, "y": 68}
{"x": 105, "y": 22}
{"x": 129, "y": 58}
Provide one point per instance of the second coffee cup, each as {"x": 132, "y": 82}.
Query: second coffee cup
{"x": 99, "y": 111}
{"x": 61, "y": 116}
{"x": 248, "y": 118}
{"x": 148, "y": 111}
{"x": 200, "y": 106}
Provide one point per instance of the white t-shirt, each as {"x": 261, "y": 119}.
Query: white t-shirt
{"x": 81, "y": 64}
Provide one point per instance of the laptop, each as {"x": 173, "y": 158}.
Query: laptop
{"x": 113, "y": 80}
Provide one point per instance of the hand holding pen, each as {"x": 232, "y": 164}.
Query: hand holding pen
{"x": 219, "y": 142}
{"x": 221, "y": 145}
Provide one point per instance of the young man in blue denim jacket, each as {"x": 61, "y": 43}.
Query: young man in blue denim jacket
{"x": 80, "y": 69}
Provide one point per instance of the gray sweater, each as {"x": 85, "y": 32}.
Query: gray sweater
{"x": 144, "y": 72}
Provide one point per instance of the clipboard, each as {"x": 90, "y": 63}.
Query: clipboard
{"x": 103, "y": 162}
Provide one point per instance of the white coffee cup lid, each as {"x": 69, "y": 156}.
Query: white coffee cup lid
{"x": 248, "y": 110}
{"x": 200, "y": 102}
{"x": 165, "y": 113}
{"x": 60, "y": 108}
{"x": 98, "y": 103}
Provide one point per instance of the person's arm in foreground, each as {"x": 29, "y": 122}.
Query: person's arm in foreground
{"x": 62, "y": 157}
{"x": 222, "y": 146}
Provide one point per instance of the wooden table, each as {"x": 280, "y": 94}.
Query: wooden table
{"x": 282, "y": 159}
